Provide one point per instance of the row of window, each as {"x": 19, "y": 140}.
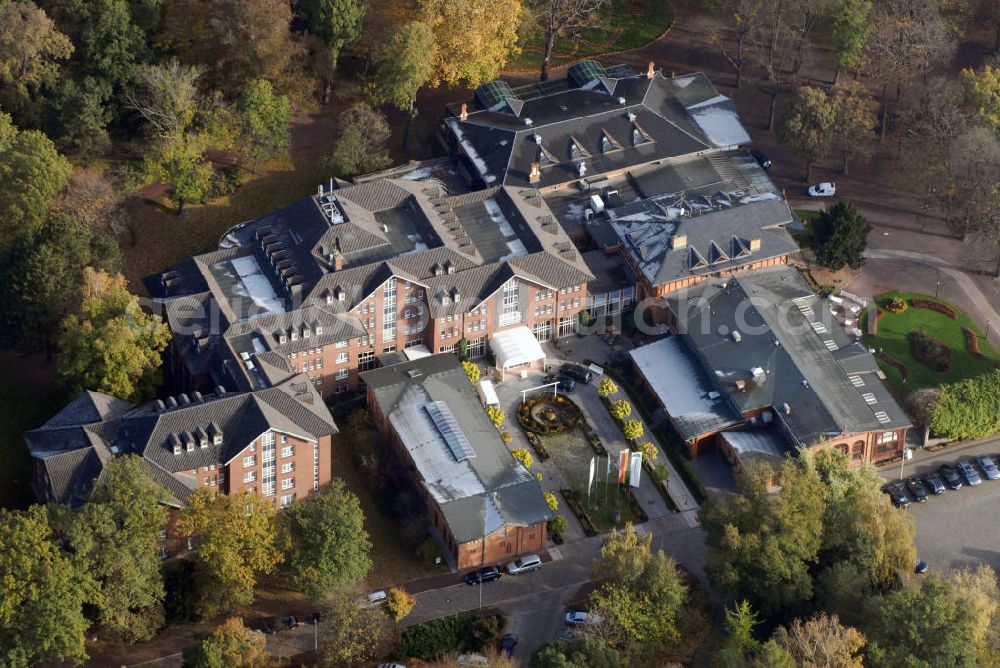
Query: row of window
{"x": 286, "y": 451}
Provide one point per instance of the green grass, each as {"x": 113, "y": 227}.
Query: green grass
{"x": 571, "y": 454}
{"x": 625, "y": 24}
{"x": 606, "y": 499}
{"x": 893, "y": 330}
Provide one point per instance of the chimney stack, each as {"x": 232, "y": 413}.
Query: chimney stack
{"x": 464, "y": 114}
{"x": 679, "y": 241}
{"x": 651, "y": 70}
{"x": 755, "y": 244}
{"x": 535, "y": 175}
{"x": 337, "y": 260}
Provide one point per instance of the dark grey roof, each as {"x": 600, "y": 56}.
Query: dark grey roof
{"x": 611, "y": 272}
{"x": 73, "y": 454}
{"x": 478, "y": 495}
{"x": 88, "y": 407}
{"x": 765, "y": 445}
{"x": 607, "y": 122}
{"x": 786, "y": 355}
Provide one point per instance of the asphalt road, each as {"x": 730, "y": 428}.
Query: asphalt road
{"x": 957, "y": 529}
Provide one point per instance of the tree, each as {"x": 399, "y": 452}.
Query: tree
{"x": 229, "y": 645}
{"x": 523, "y": 455}
{"x": 606, "y": 388}
{"x": 559, "y": 525}
{"x": 584, "y": 652}
{"x": 114, "y": 537}
{"x": 43, "y": 594}
{"x": 262, "y": 117}
{"x": 167, "y": 98}
{"x": 111, "y": 346}
{"x": 40, "y": 278}
{"x": 398, "y": 603}
{"x": 979, "y": 589}
{"x": 77, "y": 116}
{"x": 350, "y": 634}
{"x": 925, "y": 625}
{"x": 182, "y": 166}
{"x": 329, "y": 545}
{"x": 404, "y": 63}
{"x": 633, "y": 430}
{"x": 856, "y": 117}
{"x": 762, "y": 549}
{"x": 472, "y": 370}
{"x": 621, "y": 409}
{"x": 31, "y": 174}
{"x": 982, "y": 92}
{"x": 840, "y": 236}
{"x": 552, "y": 501}
{"x": 808, "y": 125}
{"x": 972, "y": 195}
{"x": 496, "y": 415}
{"x": 821, "y": 641}
{"x": 741, "y": 620}
{"x": 474, "y": 37}
{"x": 649, "y": 452}
{"x": 337, "y": 22}
{"x": 361, "y": 146}
{"x": 31, "y": 49}
{"x": 560, "y": 18}
{"x": 745, "y": 15}
{"x": 237, "y": 541}
{"x": 850, "y": 33}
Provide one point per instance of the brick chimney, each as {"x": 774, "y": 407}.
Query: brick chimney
{"x": 535, "y": 175}
{"x": 464, "y": 114}
{"x": 337, "y": 260}
{"x": 679, "y": 241}
{"x": 755, "y": 244}
{"x": 651, "y": 70}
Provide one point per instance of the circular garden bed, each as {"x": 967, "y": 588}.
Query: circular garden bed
{"x": 545, "y": 414}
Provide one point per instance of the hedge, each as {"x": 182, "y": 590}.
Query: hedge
{"x": 431, "y": 640}
{"x": 892, "y": 361}
{"x": 968, "y": 409}
{"x": 943, "y": 309}
{"x": 972, "y": 342}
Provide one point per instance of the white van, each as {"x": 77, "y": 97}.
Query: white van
{"x": 488, "y": 393}
{"x": 525, "y": 564}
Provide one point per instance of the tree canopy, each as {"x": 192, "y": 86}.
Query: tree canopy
{"x": 404, "y": 63}
{"x": 329, "y": 545}
{"x": 364, "y": 133}
{"x": 337, "y": 22}
{"x": 840, "y": 236}
{"x": 808, "y": 125}
{"x": 474, "y": 37}
{"x": 111, "y": 346}
{"x": 262, "y": 117}
{"x": 229, "y": 645}
{"x": 584, "y": 652}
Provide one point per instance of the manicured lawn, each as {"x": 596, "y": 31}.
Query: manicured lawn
{"x": 893, "y": 330}
{"x": 571, "y": 454}
{"x": 625, "y": 24}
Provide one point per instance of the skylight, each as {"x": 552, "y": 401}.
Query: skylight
{"x": 452, "y": 434}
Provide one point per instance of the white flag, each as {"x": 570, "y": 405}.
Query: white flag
{"x": 635, "y": 469}
{"x": 593, "y": 468}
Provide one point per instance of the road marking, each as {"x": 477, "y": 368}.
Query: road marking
{"x": 555, "y": 553}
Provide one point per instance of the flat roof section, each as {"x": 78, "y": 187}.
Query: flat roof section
{"x": 249, "y": 291}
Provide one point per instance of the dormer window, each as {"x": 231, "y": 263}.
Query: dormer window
{"x": 329, "y": 298}
{"x": 217, "y": 439}
{"x": 190, "y": 446}
{"x": 203, "y": 443}
{"x": 282, "y": 338}
{"x": 177, "y": 448}
{"x": 305, "y": 332}
{"x": 574, "y": 151}
{"x": 295, "y": 335}
{"x": 319, "y": 330}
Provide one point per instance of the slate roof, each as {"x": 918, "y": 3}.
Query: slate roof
{"x": 613, "y": 121}
{"x": 790, "y": 355}
{"x": 478, "y": 495}
{"x": 74, "y": 444}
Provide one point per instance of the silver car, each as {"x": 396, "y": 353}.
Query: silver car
{"x": 968, "y": 471}
{"x": 989, "y": 467}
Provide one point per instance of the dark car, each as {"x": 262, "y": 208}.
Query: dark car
{"x": 989, "y": 467}
{"x": 289, "y": 622}
{"x": 968, "y": 471}
{"x": 917, "y": 490}
{"x": 921, "y": 567}
{"x": 270, "y": 625}
{"x": 950, "y": 476}
{"x": 576, "y": 372}
{"x": 566, "y": 384}
{"x": 934, "y": 484}
{"x": 761, "y": 159}
{"x": 487, "y": 574}
{"x": 508, "y": 643}
{"x": 897, "y": 492}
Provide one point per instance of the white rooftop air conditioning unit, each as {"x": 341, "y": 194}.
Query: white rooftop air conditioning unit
{"x": 528, "y": 122}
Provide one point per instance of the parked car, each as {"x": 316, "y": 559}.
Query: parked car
{"x": 525, "y": 564}
{"x": 761, "y": 158}
{"x": 472, "y": 659}
{"x": 950, "y": 476}
{"x": 921, "y": 567}
{"x": 373, "y": 600}
{"x": 566, "y": 384}
{"x": 579, "y": 618}
{"x": 576, "y": 372}
{"x": 270, "y": 625}
{"x": 508, "y": 643}
{"x": 934, "y": 484}
{"x": 486, "y": 574}
{"x": 391, "y": 665}
{"x": 897, "y": 492}
{"x": 289, "y": 622}
{"x": 825, "y": 189}
{"x": 968, "y": 471}
{"x": 916, "y": 490}
{"x": 989, "y": 467}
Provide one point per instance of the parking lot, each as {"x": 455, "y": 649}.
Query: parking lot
{"x": 957, "y": 529}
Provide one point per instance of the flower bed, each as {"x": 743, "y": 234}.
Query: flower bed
{"x": 895, "y": 305}
{"x": 930, "y": 350}
{"x": 893, "y": 362}
{"x": 943, "y": 309}
{"x": 575, "y": 504}
{"x": 536, "y": 443}
{"x": 543, "y": 414}
{"x": 972, "y": 342}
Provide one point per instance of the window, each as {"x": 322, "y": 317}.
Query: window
{"x": 250, "y": 476}
{"x": 477, "y": 347}
{"x": 888, "y": 437}
{"x": 342, "y": 358}
{"x": 316, "y": 465}
{"x": 567, "y": 326}
{"x": 389, "y": 311}
{"x": 509, "y": 314}
{"x": 341, "y": 374}
{"x": 250, "y": 461}
{"x": 222, "y": 477}
{"x": 284, "y": 438}
{"x": 287, "y": 500}
{"x": 543, "y": 331}
{"x": 366, "y": 361}
{"x": 287, "y": 451}
{"x": 288, "y": 467}
{"x": 163, "y": 534}
{"x": 341, "y": 344}
{"x": 288, "y": 483}
{"x": 267, "y": 464}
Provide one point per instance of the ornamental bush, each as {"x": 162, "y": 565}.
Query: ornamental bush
{"x": 506, "y": 437}
{"x": 621, "y": 409}
{"x": 968, "y": 409}
{"x": 895, "y": 305}
{"x": 552, "y": 500}
{"x": 524, "y": 456}
{"x": 497, "y": 416}
{"x": 606, "y": 388}
{"x": 473, "y": 372}
{"x": 633, "y": 430}
{"x": 930, "y": 350}
{"x": 559, "y": 525}
{"x": 649, "y": 452}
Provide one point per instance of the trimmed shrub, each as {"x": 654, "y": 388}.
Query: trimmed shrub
{"x": 621, "y": 409}
{"x": 649, "y": 452}
{"x": 930, "y": 350}
{"x": 968, "y": 409}
{"x": 559, "y": 525}
{"x": 431, "y": 640}
{"x": 940, "y": 307}
{"x": 606, "y": 388}
{"x": 552, "y": 500}
{"x": 893, "y": 362}
{"x": 633, "y": 430}
{"x": 496, "y": 415}
{"x": 523, "y": 455}
{"x": 473, "y": 372}
{"x": 972, "y": 342}
{"x": 506, "y": 437}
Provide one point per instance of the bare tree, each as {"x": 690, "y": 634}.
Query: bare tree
{"x": 561, "y": 18}
{"x": 973, "y": 195}
{"x": 166, "y": 96}
{"x": 745, "y": 15}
